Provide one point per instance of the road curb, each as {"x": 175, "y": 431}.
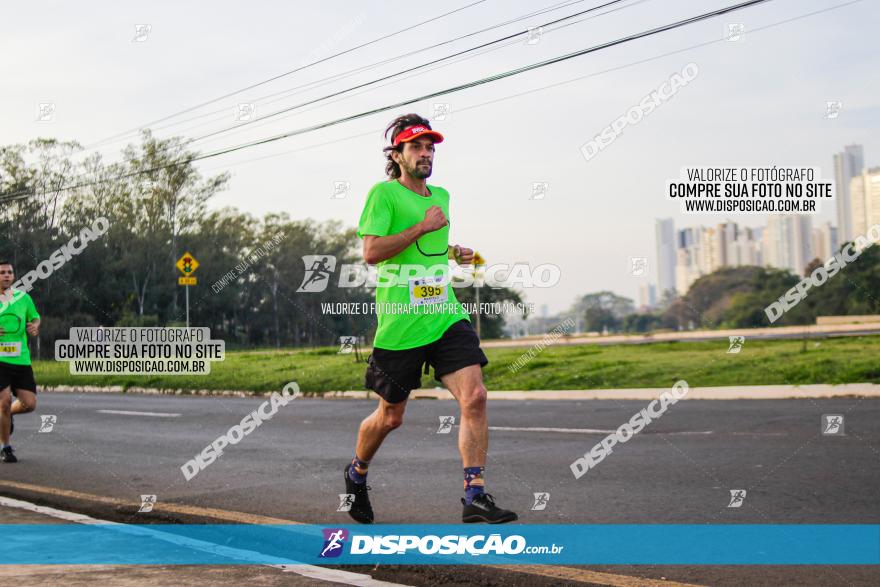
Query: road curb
{"x": 755, "y": 392}
{"x": 871, "y": 328}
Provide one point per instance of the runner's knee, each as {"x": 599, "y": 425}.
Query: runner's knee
{"x": 5, "y": 402}
{"x": 392, "y": 421}
{"x": 473, "y": 399}
{"x": 392, "y": 418}
{"x": 27, "y": 404}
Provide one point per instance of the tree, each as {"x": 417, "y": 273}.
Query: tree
{"x": 163, "y": 197}
{"x": 602, "y": 310}
{"x": 641, "y": 322}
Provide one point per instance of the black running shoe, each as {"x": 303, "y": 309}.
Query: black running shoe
{"x": 361, "y": 510}
{"x": 7, "y": 456}
{"x": 483, "y": 509}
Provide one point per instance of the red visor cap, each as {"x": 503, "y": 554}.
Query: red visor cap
{"x": 416, "y": 131}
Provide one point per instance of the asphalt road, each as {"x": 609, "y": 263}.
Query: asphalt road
{"x": 679, "y": 469}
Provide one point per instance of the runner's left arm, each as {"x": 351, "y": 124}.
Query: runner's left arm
{"x": 32, "y": 319}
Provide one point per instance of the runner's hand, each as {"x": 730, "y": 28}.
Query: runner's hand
{"x": 434, "y": 219}
{"x": 464, "y": 255}
{"x": 33, "y": 329}
{"x": 2, "y": 331}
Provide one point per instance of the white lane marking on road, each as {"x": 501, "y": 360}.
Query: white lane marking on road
{"x": 587, "y": 430}
{"x": 129, "y": 413}
{"x": 311, "y": 571}
{"x": 39, "y": 509}
{"x": 346, "y": 577}
{"x": 591, "y": 577}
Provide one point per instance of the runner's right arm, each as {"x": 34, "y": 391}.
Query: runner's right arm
{"x": 380, "y": 248}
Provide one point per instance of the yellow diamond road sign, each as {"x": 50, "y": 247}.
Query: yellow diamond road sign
{"x": 187, "y": 264}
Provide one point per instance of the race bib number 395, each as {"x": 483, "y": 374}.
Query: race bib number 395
{"x": 428, "y": 290}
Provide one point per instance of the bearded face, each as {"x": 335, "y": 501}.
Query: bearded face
{"x": 417, "y": 158}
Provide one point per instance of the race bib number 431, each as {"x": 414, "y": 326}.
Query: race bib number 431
{"x": 428, "y": 290}
{"x": 10, "y": 349}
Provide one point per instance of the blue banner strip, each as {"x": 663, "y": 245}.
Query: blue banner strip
{"x": 604, "y": 544}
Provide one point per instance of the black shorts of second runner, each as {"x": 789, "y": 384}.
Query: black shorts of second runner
{"x": 394, "y": 374}
{"x": 17, "y": 377}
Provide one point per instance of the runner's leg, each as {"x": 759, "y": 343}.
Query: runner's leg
{"x": 371, "y": 433}
{"x": 5, "y": 415}
{"x": 377, "y": 426}
{"x": 26, "y": 401}
{"x": 466, "y": 386}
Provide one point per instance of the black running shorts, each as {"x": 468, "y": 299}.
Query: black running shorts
{"x": 17, "y": 377}
{"x": 393, "y": 374}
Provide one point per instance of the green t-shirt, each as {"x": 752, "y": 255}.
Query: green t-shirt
{"x": 16, "y": 314}
{"x": 392, "y": 208}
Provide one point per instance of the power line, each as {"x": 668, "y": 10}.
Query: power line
{"x": 301, "y": 68}
{"x": 723, "y": 39}
{"x": 336, "y": 77}
{"x": 373, "y": 132}
{"x": 503, "y": 75}
{"x": 472, "y": 84}
{"x": 455, "y": 62}
{"x": 509, "y": 39}
{"x": 396, "y": 74}
{"x": 399, "y": 73}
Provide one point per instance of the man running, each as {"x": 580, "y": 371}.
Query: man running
{"x": 18, "y": 318}
{"x": 404, "y": 226}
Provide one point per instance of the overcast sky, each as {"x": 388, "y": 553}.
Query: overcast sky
{"x": 760, "y": 101}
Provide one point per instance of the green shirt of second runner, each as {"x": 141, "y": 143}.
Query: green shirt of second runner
{"x": 392, "y": 208}
{"x": 14, "y": 342}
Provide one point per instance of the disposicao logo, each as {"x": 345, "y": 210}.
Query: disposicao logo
{"x": 394, "y": 544}
{"x": 334, "y": 540}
